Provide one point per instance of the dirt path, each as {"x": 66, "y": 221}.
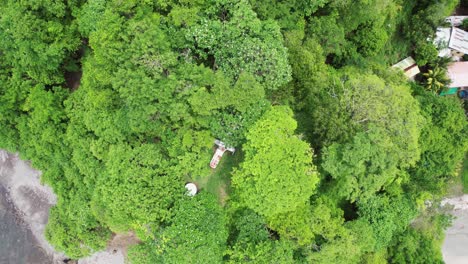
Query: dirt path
{"x": 115, "y": 252}
{"x": 73, "y": 79}
{"x": 455, "y": 247}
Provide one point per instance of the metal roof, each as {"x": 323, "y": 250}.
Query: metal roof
{"x": 459, "y": 40}
{"x": 442, "y": 40}
{"x": 409, "y": 66}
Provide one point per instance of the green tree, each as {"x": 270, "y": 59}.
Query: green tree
{"x": 464, "y": 24}
{"x": 36, "y": 37}
{"x": 436, "y": 79}
{"x": 88, "y": 15}
{"x": 342, "y": 249}
{"x": 243, "y": 43}
{"x": 442, "y": 142}
{"x": 387, "y": 120}
{"x": 73, "y": 229}
{"x": 363, "y": 166}
{"x": 238, "y": 108}
{"x": 370, "y": 39}
{"x": 309, "y": 70}
{"x": 197, "y": 234}
{"x": 138, "y": 188}
{"x": 387, "y": 216}
{"x": 13, "y": 92}
{"x": 277, "y": 175}
{"x": 421, "y": 242}
{"x": 414, "y": 247}
{"x": 41, "y": 131}
{"x": 251, "y": 241}
{"x": 320, "y": 27}
{"x": 278, "y": 251}
{"x": 425, "y": 17}
{"x": 161, "y": 79}
{"x": 351, "y": 31}
{"x": 289, "y": 14}
{"x": 317, "y": 222}
{"x": 346, "y": 244}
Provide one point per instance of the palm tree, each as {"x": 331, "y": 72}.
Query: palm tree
{"x": 436, "y": 79}
{"x": 441, "y": 62}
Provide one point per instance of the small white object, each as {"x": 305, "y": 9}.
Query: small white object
{"x": 219, "y": 153}
{"x": 191, "y": 189}
{"x": 217, "y": 157}
{"x": 221, "y": 144}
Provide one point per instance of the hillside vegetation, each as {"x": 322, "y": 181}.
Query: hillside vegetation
{"x": 340, "y": 159}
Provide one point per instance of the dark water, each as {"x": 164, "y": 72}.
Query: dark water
{"x": 17, "y": 244}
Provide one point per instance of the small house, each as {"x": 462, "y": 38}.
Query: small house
{"x": 408, "y": 66}
{"x": 459, "y": 41}
{"x": 451, "y": 42}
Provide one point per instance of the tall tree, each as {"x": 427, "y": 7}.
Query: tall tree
{"x": 240, "y": 42}
{"x": 277, "y": 174}
{"x": 251, "y": 241}
{"x": 388, "y": 124}
{"x": 387, "y": 216}
{"x": 137, "y": 190}
{"x": 442, "y": 142}
{"x": 436, "y": 79}
{"x": 37, "y": 36}
{"x": 197, "y": 234}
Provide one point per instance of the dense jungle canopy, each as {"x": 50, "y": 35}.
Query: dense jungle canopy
{"x": 339, "y": 158}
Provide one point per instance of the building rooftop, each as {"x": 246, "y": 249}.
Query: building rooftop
{"x": 458, "y": 73}
{"x": 459, "y": 40}
{"x": 455, "y": 21}
{"x": 442, "y": 40}
{"x": 409, "y": 66}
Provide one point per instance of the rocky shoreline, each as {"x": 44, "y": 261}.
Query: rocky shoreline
{"x": 17, "y": 243}
{"x": 24, "y": 212}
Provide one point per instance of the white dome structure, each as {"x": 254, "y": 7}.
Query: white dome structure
{"x": 191, "y": 189}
